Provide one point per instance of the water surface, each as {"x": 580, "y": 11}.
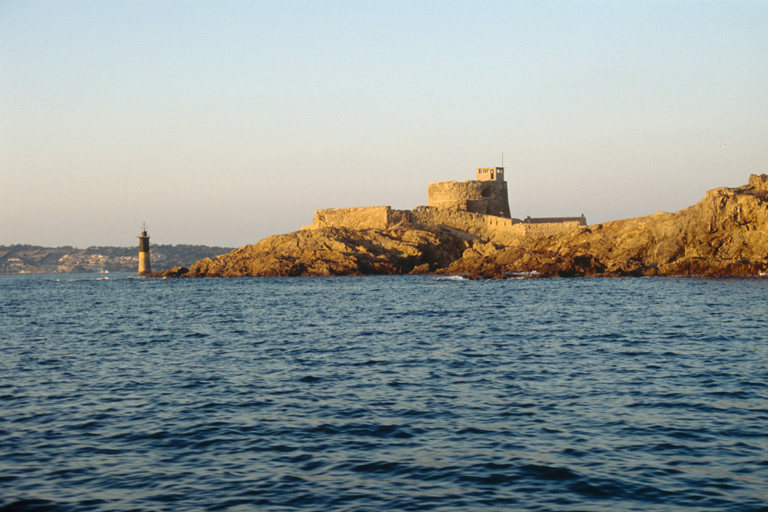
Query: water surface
{"x": 383, "y": 393}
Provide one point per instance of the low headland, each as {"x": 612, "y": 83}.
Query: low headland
{"x": 724, "y": 234}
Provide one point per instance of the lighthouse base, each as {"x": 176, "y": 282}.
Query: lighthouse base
{"x": 144, "y": 266}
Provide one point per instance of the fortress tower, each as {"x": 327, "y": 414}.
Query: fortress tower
{"x": 487, "y": 194}
{"x": 144, "y": 265}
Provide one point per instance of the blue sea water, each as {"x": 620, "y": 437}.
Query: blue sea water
{"x": 383, "y": 393}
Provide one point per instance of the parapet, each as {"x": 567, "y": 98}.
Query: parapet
{"x": 556, "y": 220}
{"x": 364, "y": 217}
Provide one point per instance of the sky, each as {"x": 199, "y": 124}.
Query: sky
{"x": 221, "y": 123}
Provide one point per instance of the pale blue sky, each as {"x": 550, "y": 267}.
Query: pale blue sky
{"x": 221, "y": 123}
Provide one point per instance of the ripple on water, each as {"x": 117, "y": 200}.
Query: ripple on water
{"x": 391, "y": 393}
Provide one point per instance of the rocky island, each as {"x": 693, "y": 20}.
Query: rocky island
{"x": 466, "y": 229}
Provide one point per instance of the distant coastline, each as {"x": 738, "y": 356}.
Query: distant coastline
{"x": 33, "y": 259}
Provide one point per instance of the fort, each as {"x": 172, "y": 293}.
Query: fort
{"x": 486, "y": 195}
{"x": 479, "y": 206}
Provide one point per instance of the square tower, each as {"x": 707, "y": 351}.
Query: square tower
{"x": 490, "y": 174}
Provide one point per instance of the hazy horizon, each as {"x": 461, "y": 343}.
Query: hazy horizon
{"x": 221, "y": 123}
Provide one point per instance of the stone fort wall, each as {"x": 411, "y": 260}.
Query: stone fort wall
{"x": 550, "y": 220}
{"x": 488, "y": 226}
{"x": 364, "y": 217}
{"x": 495, "y": 228}
{"x": 486, "y": 197}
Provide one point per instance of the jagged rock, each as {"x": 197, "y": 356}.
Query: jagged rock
{"x": 725, "y": 234}
{"x": 171, "y": 272}
{"x": 334, "y": 251}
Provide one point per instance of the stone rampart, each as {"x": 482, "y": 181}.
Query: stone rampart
{"x": 486, "y": 197}
{"x": 496, "y": 228}
{"x": 475, "y": 223}
{"x": 488, "y": 226}
{"x": 556, "y": 220}
{"x": 364, "y": 217}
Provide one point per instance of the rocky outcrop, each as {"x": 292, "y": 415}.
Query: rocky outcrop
{"x": 725, "y": 234}
{"x": 334, "y": 251}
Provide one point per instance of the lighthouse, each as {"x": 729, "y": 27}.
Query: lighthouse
{"x": 144, "y": 266}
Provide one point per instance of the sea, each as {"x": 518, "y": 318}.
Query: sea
{"x": 389, "y": 393}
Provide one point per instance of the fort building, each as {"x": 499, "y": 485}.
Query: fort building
{"x": 487, "y": 194}
{"x": 479, "y": 206}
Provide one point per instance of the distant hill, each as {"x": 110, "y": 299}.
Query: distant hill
{"x": 21, "y": 259}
